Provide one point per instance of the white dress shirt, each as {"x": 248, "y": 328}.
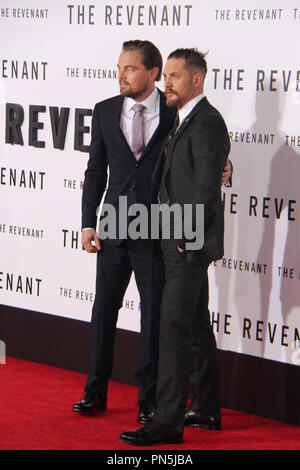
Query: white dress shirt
{"x": 187, "y": 108}
{"x": 150, "y": 115}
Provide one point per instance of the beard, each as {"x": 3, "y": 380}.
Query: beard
{"x": 130, "y": 93}
{"x": 173, "y": 99}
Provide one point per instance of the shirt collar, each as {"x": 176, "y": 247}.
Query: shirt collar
{"x": 150, "y": 103}
{"x": 187, "y": 108}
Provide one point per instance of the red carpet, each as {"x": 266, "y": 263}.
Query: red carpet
{"x": 36, "y": 414}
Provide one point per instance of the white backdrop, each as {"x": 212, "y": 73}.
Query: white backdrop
{"x": 63, "y": 54}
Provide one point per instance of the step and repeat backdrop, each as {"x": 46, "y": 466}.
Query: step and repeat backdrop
{"x": 57, "y": 59}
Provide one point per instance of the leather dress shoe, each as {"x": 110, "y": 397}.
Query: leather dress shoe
{"x": 146, "y": 412}
{"x": 196, "y": 419}
{"x": 89, "y": 404}
{"x": 148, "y": 437}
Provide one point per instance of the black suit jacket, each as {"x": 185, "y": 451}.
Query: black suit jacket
{"x": 110, "y": 150}
{"x": 193, "y": 173}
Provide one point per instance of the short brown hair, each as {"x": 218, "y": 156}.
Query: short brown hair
{"x": 193, "y": 58}
{"x": 151, "y": 57}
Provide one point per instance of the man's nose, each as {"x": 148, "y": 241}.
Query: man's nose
{"x": 167, "y": 83}
{"x": 121, "y": 74}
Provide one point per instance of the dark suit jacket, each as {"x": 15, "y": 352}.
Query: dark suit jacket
{"x": 196, "y": 158}
{"x": 109, "y": 149}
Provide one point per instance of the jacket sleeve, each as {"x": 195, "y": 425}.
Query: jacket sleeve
{"x": 210, "y": 148}
{"x": 95, "y": 177}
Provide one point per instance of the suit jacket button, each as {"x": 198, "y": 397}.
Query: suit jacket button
{"x": 132, "y": 187}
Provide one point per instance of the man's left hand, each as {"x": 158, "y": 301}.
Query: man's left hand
{"x": 227, "y": 172}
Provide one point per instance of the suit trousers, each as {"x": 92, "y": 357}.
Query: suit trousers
{"x": 187, "y": 347}
{"x": 115, "y": 264}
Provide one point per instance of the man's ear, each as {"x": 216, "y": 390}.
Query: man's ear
{"x": 199, "y": 80}
{"x": 154, "y": 73}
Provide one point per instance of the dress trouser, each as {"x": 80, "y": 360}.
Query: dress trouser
{"x": 115, "y": 264}
{"x": 187, "y": 346}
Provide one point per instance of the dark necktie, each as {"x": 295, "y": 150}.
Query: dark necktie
{"x": 174, "y": 127}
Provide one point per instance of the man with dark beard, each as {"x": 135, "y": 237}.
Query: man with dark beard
{"x": 188, "y": 172}
{"x": 127, "y": 134}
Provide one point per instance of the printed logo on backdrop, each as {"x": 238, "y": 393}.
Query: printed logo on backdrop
{"x": 89, "y": 72}
{"x": 71, "y": 239}
{"x": 251, "y": 330}
{"x": 257, "y": 336}
{"x": 271, "y": 80}
{"x": 261, "y": 207}
{"x": 16, "y": 69}
{"x": 155, "y": 14}
{"x": 82, "y": 296}
{"x": 20, "y": 284}
{"x": 25, "y": 14}
{"x": 22, "y": 178}
{"x": 19, "y": 231}
{"x": 257, "y": 14}
{"x": 59, "y": 122}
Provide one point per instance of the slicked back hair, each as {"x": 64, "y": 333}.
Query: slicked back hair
{"x": 194, "y": 59}
{"x": 151, "y": 57}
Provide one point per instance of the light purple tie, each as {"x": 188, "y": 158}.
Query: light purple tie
{"x": 137, "y": 130}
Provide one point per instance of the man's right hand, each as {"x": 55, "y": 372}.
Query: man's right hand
{"x": 88, "y": 236}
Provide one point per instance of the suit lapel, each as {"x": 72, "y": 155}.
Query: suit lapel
{"x": 117, "y": 131}
{"x": 200, "y": 107}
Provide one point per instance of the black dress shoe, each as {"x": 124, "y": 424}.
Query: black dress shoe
{"x": 146, "y": 412}
{"x": 89, "y": 404}
{"x": 195, "y": 419}
{"x": 149, "y": 437}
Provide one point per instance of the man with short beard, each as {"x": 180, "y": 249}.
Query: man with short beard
{"x": 188, "y": 172}
{"x": 115, "y": 146}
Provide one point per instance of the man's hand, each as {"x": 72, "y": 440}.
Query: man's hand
{"x": 227, "y": 172}
{"x": 88, "y": 236}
